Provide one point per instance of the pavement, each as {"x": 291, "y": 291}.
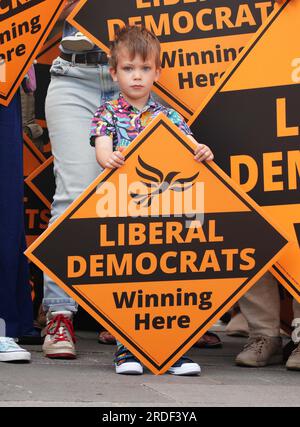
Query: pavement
{"x": 90, "y": 381}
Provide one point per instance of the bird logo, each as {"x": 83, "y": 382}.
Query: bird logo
{"x": 157, "y": 183}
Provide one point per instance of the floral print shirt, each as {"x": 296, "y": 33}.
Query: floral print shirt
{"x": 123, "y": 122}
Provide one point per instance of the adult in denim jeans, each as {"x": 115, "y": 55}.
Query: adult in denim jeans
{"x": 80, "y": 82}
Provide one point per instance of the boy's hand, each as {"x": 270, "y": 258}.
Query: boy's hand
{"x": 203, "y": 153}
{"x": 115, "y": 160}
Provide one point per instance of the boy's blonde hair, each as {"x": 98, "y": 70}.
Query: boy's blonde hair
{"x": 138, "y": 41}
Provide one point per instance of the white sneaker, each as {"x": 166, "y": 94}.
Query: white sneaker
{"x": 10, "y": 351}
{"x": 185, "y": 366}
{"x": 77, "y": 43}
{"x": 60, "y": 338}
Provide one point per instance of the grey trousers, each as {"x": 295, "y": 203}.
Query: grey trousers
{"x": 74, "y": 94}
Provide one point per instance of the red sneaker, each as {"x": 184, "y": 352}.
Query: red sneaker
{"x": 60, "y": 338}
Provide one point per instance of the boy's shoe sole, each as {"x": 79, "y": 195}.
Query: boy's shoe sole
{"x": 15, "y": 357}
{"x": 77, "y": 45}
{"x": 129, "y": 368}
{"x": 185, "y": 369}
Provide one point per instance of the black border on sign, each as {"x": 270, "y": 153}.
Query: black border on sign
{"x": 285, "y": 279}
{"x": 175, "y": 100}
{"x": 195, "y": 117}
{"x": 32, "y": 151}
{"x": 253, "y": 44}
{"x": 42, "y": 52}
{"x": 101, "y": 315}
{"x": 5, "y": 97}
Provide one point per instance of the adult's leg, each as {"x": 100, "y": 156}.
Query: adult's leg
{"x": 74, "y": 94}
{"x": 15, "y": 296}
{"x": 261, "y": 307}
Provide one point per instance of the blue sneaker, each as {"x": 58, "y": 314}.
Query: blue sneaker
{"x": 185, "y": 366}
{"x": 10, "y": 351}
{"x": 126, "y": 363}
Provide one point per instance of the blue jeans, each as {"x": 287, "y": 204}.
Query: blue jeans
{"x": 74, "y": 94}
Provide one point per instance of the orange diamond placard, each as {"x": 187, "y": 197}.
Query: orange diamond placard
{"x": 251, "y": 122}
{"x": 25, "y": 25}
{"x": 159, "y": 249}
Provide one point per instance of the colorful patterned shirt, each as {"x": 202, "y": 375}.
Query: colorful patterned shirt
{"x": 123, "y": 122}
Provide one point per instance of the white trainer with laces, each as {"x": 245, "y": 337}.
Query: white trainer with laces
{"x": 10, "y": 351}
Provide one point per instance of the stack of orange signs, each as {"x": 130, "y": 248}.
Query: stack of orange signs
{"x": 49, "y": 51}
{"x": 199, "y": 39}
{"x": 32, "y": 157}
{"x": 251, "y": 122}
{"x": 25, "y": 25}
{"x": 42, "y": 182}
{"x": 159, "y": 249}
{"x": 36, "y": 212}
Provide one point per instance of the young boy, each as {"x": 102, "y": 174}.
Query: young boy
{"x": 135, "y": 65}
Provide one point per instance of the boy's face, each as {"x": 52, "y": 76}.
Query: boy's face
{"x": 135, "y": 76}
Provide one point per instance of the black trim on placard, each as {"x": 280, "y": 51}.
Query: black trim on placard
{"x": 48, "y": 48}
{"x": 253, "y": 45}
{"x": 32, "y": 151}
{"x": 175, "y": 100}
{"x": 5, "y": 97}
{"x": 194, "y": 118}
{"x": 285, "y": 279}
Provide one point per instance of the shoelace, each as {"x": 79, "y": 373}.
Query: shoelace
{"x": 9, "y": 344}
{"x": 61, "y": 323}
{"x": 257, "y": 344}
